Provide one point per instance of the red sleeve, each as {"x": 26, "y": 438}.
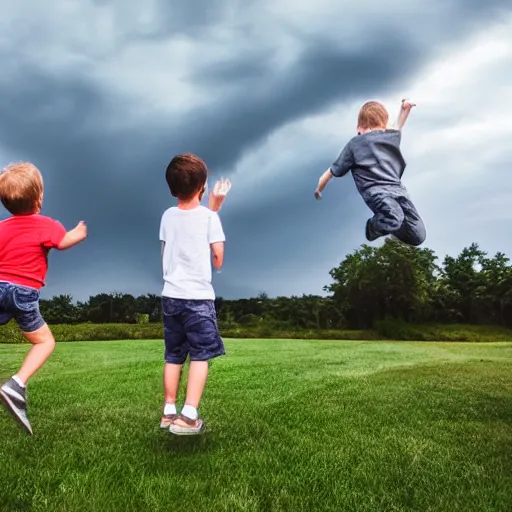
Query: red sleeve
{"x": 53, "y": 233}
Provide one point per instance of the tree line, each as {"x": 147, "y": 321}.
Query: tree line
{"x": 371, "y": 284}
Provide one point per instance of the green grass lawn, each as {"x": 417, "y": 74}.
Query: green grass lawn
{"x": 291, "y": 425}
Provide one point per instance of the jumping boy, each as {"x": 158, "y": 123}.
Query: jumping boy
{"x": 377, "y": 165}
{"x": 25, "y": 240}
{"x": 190, "y": 235}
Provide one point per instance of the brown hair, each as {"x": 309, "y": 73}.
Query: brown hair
{"x": 372, "y": 115}
{"x": 21, "y": 188}
{"x": 186, "y": 175}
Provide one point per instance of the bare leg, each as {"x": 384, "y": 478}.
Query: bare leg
{"x": 172, "y": 375}
{"x": 43, "y": 344}
{"x": 12, "y": 393}
{"x": 197, "y": 375}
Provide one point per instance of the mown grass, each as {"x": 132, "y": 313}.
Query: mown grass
{"x": 291, "y": 425}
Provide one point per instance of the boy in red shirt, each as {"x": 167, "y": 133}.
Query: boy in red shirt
{"x": 25, "y": 240}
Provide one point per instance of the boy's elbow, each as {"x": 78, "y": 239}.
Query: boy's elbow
{"x": 217, "y": 254}
{"x": 69, "y": 241}
{"x": 64, "y": 244}
{"x": 218, "y": 261}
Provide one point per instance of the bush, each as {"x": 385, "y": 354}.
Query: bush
{"x": 393, "y": 329}
{"x": 90, "y": 332}
{"x": 297, "y": 334}
{"x": 141, "y": 318}
{"x": 385, "y": 330}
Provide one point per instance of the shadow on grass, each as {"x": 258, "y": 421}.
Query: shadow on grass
{"x": 480, "y": 407}
{"x": 183, "y": 445}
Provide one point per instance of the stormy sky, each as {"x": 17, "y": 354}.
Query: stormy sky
{"x": 101, "y": 94}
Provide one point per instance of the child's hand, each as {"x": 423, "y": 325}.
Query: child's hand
{"x": 220, "y": 190}
{"x": 81, "y": 229}
{"x": 407, "y": 105}
{"x": 318, "y": 194}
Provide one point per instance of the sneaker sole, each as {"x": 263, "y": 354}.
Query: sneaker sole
{"x": 12, "y": 410}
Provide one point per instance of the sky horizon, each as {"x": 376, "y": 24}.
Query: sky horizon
{"x": 100, "y": 95}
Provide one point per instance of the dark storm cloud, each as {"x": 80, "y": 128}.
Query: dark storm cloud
{"x": 62, "y": 122}
{"x": 316, "y": 80}
{"x": 114, "y": 179}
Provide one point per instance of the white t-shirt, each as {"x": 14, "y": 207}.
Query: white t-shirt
{"x": 186, "y": 260}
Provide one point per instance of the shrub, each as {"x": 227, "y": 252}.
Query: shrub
{"x": 89, "y": 332}
{"x": 393, "y": 329}
{"x": 385, "y": 330}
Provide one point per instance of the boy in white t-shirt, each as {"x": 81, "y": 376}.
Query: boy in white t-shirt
{"x": 191, "y": 236}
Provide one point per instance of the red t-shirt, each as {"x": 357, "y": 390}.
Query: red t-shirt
{"x": 25, "y": 241}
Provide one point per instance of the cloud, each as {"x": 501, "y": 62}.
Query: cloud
{"x": 101, "y": 95}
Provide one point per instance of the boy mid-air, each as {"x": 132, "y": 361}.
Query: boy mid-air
{"x": 25, "y": 240}
{"x": 191, "y": 237}
{"x": 377, "y": 165}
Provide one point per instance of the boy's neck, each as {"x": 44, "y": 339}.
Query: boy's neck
{"x": 190, "y": 204}
{"x": 377, "y": 128}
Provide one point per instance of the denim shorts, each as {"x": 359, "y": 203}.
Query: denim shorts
{"x": 190, "y": 328}
{"x": 22, "y": 304}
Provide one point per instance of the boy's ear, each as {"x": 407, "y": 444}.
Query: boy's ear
{"x": 39, "y": 203}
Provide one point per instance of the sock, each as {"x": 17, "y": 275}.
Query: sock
{"x": 189, "y": 412}
{"x": 169, "y": 409}
{"x": 16, "y": 379}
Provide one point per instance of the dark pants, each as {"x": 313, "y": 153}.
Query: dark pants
{"x": 190, "y": 328}
{"x": 395, "y": 215}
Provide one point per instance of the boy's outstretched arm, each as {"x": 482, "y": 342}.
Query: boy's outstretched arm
{"x": 339, "y": 168}
{"x": 322, "y": 183}
{"x": 74, "y": 236}
{"x": 405, "y": 110}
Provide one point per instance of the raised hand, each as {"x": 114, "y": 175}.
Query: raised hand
{"x": 217, "y": 196}
{"x": 407, "y": 105}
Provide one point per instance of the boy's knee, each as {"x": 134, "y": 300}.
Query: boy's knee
{"x": 394, "y": 223}
{"x": 40, "y": 336}
{"x": 418, "y": 236}
{"x": 394, "y": 216}
{"x": 420, "y": 239}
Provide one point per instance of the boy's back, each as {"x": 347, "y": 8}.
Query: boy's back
{"x": 186, "y": 258}
{"x": 24, "y": 244}
{"x": 192, "y": 241}
{"x": 374, "y": 158}
{"x": 25, "y": 240}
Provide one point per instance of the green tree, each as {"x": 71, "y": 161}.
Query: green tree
{"x": 461, "y": 278}
{"x": 393, "y": 280}
{"x": 60, "y": 310}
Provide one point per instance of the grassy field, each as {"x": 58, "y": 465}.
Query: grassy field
{"x": 291, "y": 425}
